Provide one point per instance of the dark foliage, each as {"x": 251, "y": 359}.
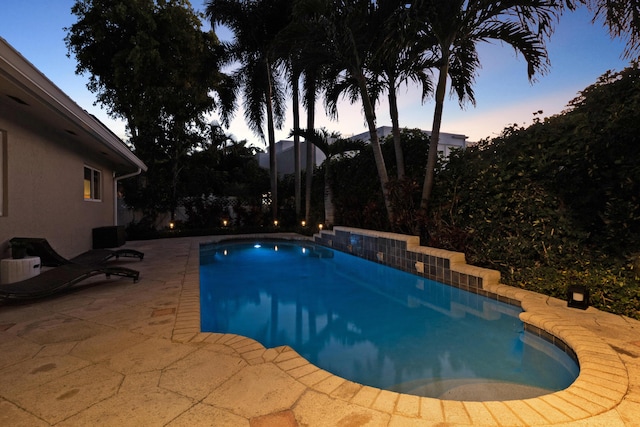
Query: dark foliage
{"x": 555, "y": 203}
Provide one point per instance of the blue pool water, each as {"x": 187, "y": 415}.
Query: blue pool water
{"x": 369, "y": 323}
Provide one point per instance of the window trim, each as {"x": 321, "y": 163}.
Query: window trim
{"x": 95, "y": 188}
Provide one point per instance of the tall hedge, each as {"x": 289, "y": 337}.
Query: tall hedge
{"x": 555, "y": 203}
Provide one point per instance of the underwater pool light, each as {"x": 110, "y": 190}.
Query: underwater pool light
{"x": 257, "y": 246}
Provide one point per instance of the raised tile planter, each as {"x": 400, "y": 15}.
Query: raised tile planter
{"x": 405, "y": 253}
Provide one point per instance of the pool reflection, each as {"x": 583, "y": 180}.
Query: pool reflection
{"x": 370, "y": 323}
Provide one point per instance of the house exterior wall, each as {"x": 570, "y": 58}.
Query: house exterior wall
{"x": 285, "y": 157}
{"x": 44, "y": 187}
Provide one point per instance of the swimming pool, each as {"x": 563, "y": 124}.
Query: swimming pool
{"x": 373, "y": 324}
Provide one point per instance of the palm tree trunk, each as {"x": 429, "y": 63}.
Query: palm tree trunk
{"x": 311, "y": 118}
{"x": 273, "y": 162}
{"x": 329, "y": 210}
{"x": 296, "y": 142}
{"x": 375, "y": 142}
{"x": 395, "y": 125}
{"x": 435, "y": 133}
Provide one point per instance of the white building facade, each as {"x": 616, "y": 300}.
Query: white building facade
{"x": 285, "y": 153}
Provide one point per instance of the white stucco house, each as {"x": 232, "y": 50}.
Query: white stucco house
{"x": 285, "y": 155}
{"x": 447, "y": 142}
{"x": 285, "y": 149}
{"x": 59, "y": 165}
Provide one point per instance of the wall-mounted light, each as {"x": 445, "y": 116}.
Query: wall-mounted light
{"x": 171, "y": 225}
{"x": 275, "y": 222}
{"x": 320, "y": 227}
{"x": 578, "y": 296}
{"x": 225, "y": 222}
{"x": 303, "y": 223}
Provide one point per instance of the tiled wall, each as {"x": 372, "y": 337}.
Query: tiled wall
{"x": 405, "y": 253}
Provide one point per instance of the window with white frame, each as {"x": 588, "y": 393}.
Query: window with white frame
{"x": 92, "y": 184}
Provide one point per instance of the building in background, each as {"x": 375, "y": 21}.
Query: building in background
{"x": 286, "y": 158}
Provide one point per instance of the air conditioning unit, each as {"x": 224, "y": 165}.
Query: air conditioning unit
{"x": 16, "y": 270}
{"x": 108, "y": 237}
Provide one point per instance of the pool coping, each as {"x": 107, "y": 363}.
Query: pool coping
{"x": 600, "y": 387}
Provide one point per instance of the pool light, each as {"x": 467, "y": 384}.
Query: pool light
{"x": 578, "y": 296}
{"x": 257, "y": 246}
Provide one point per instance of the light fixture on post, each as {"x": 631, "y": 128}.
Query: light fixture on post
{"x": 303, "y": 223}
{"x": 225, "y": 222}
{"x": 275, "y": 223}
{"x": 171, "y": 225}
{"x": 578, "y": 296}
{"x": 320, "y": 227}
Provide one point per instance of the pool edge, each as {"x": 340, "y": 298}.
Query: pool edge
{"x": 600, "y": 387}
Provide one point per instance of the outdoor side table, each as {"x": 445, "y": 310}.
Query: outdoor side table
{"x": 15, "y": 270}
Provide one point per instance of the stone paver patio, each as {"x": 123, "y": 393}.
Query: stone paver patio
{"x": 115, "y": 353}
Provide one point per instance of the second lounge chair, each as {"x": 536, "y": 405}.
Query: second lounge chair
{"x": 40, "y": 247}
{"x": 58, "y": 279}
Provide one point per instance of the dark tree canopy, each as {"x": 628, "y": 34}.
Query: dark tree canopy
{"x": 150, "y": 63}
{"x": 148, "y": 59}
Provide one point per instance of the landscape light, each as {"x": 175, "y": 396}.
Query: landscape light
{"x": 578, "y": 296}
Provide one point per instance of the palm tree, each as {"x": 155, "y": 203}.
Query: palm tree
{"x": 295, "y": 103}
{"x": 621, "y": 18}
{"x": 255, "y": 25}
{"x": 322, "y": 139}
{"x": 346, "y": 29}
{"x": 400, "y": 57}
{"x": 458, "y": 25}
{"x": 396, "y": 55}
{"x": 310, "y": 56}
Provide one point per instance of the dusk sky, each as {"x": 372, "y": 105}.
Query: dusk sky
{"x": 579, "y": 52}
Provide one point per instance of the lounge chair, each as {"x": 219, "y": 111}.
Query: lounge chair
{"x": 50, "y": 258}
{"x": 58, "y": 279}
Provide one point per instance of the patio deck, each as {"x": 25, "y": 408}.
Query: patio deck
{"x": 120, "y": 353}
